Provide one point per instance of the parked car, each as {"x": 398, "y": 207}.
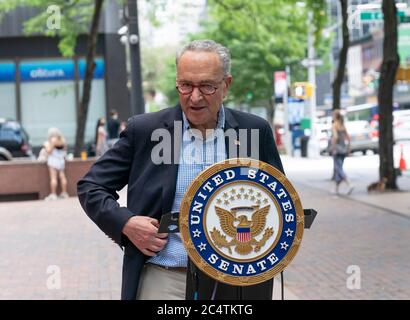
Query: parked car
{"x": 5, "y": 155}
{"x": 14, "y": 139}
{"x": 324, "y": 132}
{"x": 363, "y": 136}
{"x": 401, "y": 125}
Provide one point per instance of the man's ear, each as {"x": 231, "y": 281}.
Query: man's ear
{"x": 228, "y": 81}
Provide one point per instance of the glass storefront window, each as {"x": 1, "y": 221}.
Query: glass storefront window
{"x": 48, "y": 98}
{"x": 96, "y": 108}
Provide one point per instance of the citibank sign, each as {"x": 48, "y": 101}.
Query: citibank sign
{"x": 47, "y": 70}
{"x": 44, "y": 73}
{"x": 56, "y": 70}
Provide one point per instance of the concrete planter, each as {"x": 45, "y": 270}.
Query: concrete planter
{"x": 29, "y": 180}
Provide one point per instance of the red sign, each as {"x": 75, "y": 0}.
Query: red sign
{"x": 280, "y": 83}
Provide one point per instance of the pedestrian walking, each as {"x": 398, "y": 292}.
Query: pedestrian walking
{"x": 340, "y": 148}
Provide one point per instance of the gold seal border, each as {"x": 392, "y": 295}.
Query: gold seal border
{"x": 184, "y": 225}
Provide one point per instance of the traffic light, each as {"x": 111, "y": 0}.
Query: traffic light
{"x": 302, "y": 90}
{"x": 403, "y": 74}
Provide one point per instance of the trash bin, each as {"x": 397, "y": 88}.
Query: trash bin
{"x": 304, "y": 146}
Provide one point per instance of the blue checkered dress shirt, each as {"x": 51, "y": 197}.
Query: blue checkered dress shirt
{"x": 195, "y": 156}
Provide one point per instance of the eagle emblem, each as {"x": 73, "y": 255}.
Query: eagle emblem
{"x": 241, "y": 230}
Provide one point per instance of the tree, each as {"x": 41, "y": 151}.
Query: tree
{"x": 263, "y": 36}
{"x": 385, "y": 95}
{"x": 89, "y": 70}
{"x": 158, "y": 70}
{"x": 337, "y": 83}
{"x": 66, "y": 19}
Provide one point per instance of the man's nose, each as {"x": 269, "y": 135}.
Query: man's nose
{"x": 196, "y": 95}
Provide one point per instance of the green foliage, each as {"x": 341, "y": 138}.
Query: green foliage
{"x": 318, "y": 7}
{"x": 166, "y": 83}
{"x": 155, "y": 7}
{"x": 263, "y": 36}
{"x": 75, "y": 19}
{"x": 323, "y": 51}
{"x": 158, "y": 71}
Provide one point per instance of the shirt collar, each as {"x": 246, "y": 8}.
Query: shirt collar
{"x": 220, "y": 124}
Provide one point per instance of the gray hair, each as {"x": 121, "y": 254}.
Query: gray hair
{"x": 209, "y": 46}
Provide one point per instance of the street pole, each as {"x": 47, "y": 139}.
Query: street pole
{"x": 313, "y": 146}
{"x": 287, "y": 132}
{"x": 137, "y": 101}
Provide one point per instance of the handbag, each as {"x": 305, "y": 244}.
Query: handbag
{"x": 342, "y": 149}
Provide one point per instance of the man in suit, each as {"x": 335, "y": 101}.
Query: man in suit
{"x": 155, "y": 265}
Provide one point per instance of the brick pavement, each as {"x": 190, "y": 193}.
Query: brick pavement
{"x": 38, "y": 234}
{"x": 347, "y": 232}
{"x": 367, "y": 230}
{"x": 361, "y": 171}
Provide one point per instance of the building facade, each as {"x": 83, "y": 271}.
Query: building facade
{"x": 42, "y": 89}
{"x": 365, "y": 53}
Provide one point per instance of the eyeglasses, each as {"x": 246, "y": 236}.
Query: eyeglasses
{"x": 206, "y": 88}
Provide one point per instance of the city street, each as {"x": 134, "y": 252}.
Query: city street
{"x": 370, "y": 231}
{"x": 46, "y": 241}
{"x": 326, "y": 75}
{"x": 51, "y": 250}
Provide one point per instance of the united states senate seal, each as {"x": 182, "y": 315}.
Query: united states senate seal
{"x": 241, "y": 221}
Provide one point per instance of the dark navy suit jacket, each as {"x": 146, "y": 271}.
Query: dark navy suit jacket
{"x": 151, "y": 191}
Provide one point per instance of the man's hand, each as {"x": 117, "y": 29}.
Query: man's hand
{"x": 143, "y": 233}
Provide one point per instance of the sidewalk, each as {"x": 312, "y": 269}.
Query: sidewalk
{"x": 53, "y": 251}
{"x": 288, "y": 294}
{"x": 361, "y": 171}
{"x": 370, "y": 231}
{"x": 350, "y": 234}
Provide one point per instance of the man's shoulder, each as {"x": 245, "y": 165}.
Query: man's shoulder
{"x": 248, "y": 120}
